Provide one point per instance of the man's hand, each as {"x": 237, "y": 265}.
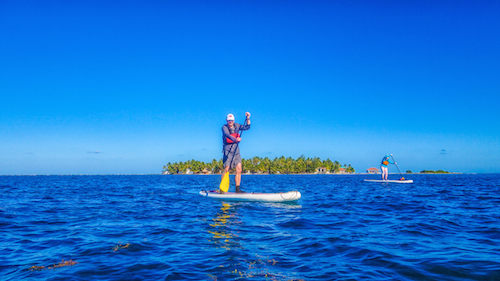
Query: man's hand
{"x": 247, "y": 114}
{"x": 238, "y": 139}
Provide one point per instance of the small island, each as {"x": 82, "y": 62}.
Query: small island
{"x": 259, "y": 165}
{"x": 431, "y": 172}
{"x": 434, "y": 172}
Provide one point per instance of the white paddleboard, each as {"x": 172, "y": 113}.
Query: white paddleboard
{"x": 251, "y": 196}
{"x": 391, "y": 181}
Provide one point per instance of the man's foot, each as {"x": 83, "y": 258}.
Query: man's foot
{"x": 238, "y": 190}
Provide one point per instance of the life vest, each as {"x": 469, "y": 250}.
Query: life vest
{"x": 385, "y": 161}
{"x": 235, "y": 135}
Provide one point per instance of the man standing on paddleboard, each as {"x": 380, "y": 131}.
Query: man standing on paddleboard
{"x": 231, "y": 138}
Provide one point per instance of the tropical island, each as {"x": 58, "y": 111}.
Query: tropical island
{"x": 258, "y": 165}
{"x": 434, "y": 172}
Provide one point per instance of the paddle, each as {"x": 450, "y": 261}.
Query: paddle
{"x": 224, "y": 183}
{"x": 402, "y": 178}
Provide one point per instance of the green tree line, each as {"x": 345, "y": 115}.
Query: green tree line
{"x": 258, "y": 165}
{"x": 434, "y": 172}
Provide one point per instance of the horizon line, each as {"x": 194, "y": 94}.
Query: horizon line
{"x": 303, "y": 174}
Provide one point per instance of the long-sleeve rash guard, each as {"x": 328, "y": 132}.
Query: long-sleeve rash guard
{"x": 227, "y": 131}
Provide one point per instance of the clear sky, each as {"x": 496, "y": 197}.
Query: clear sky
{"x": 98, "y": 87}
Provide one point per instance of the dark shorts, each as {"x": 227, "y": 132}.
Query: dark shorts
{"x": 232, "y": 158}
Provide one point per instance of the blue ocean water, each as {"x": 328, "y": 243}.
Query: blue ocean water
{"x": 442, "y": 227}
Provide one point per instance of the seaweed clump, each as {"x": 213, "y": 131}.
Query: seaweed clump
{"x": 120, "y": 246}
{"x": 57, "y": 265}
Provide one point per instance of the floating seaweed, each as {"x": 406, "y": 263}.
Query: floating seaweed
{"x": 57, "y": 265}
{"x": 259, "y": 268}
{"x": 36, "y": 268}
{"x": 120, "y": 246}
{"x": 63, "y": 263}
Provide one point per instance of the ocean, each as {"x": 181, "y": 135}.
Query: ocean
{"x": 151, "y": 227}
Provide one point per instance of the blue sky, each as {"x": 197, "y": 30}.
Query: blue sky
{"x": 97, "y": 87}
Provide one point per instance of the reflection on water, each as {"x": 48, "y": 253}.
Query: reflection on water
{"x": 223, "y": 229}
{"x": 220, "y": 227}
{"x": 287, "y": 205}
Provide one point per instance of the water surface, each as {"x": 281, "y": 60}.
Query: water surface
{"x": 442, "y": 227}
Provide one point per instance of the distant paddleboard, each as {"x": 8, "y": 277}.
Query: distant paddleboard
{"x": 251, "y": 196}
{"x": 391, "y": 181}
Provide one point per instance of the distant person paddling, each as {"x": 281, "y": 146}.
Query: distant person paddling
{"x": 383, "y": 166}
{"x": 231, "y": 152}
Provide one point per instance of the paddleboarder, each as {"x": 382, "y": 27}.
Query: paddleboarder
{"x": 230, "y": 148}
{"x": 383, "y": 166}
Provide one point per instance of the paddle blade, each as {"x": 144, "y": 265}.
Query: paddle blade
{"x": 224, "y": 183}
